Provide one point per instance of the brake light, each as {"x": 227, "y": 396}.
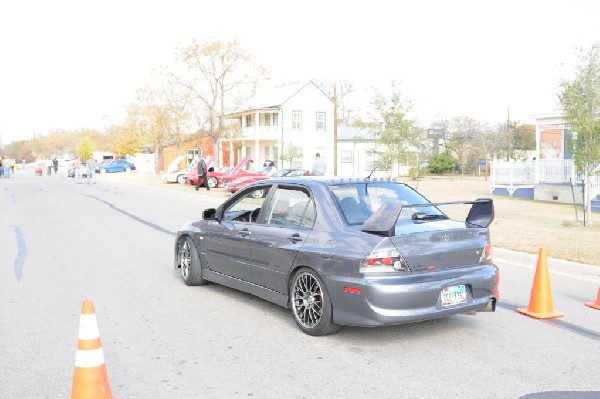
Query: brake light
{"x": 486, "y": 255}
{"x": 384, "y": 261}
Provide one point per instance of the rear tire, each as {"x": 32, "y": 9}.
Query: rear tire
{"x": 310, "y": 303}
{"x": 212, "y": 182}
{"x": 189, "y": 262}
{"x": 181, "y": 179}
{"x": 128, "y": 169}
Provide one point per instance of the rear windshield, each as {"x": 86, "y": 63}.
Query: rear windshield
{"x": 358, "y": 201}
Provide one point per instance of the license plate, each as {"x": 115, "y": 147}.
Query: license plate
{"x": 454, "y": 295}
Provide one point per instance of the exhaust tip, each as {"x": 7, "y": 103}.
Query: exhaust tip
{"x": 489, "y": 307}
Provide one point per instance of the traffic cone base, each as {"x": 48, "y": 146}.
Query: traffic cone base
{"x": 595, "y": 305}
{"x": 540, "y": 302}
{"x": 540, "y": 315}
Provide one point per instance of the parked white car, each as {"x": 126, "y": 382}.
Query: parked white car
{"x": 174, "y": 174}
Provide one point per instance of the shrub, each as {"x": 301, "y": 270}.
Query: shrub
{"x": 441, "y": 163}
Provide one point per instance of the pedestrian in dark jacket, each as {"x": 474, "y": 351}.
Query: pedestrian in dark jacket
{"x": 202, "y": 170}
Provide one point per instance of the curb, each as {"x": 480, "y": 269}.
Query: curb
{"x": 555, "y": 265}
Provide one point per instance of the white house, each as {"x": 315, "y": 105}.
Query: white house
{"x": 296, "y": 118}
{"x": 354, "y": 154}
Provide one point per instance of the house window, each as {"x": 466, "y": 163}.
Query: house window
{"x": 248, "y": 120}
{"x": 297, "y": 161}
{"x": 267, "y": 152}
{"x": 275, "y": 154}
{"x": 268, "y": 119}
{"x": 346, "y": 157}
{"x": 320, "y": 121}
{"x": 370, "y": 161}
{"x": 297, "y": 120}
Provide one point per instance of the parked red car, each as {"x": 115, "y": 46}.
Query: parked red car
{"x": 242, "y": 181}
{"x": 215, "y": 179}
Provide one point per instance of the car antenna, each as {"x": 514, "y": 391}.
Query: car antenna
{"x": 369, "y": 177}
{"x": 367, "y": 181}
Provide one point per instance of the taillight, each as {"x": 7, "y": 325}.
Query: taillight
{"x": 384, "y": 261}
{"x": 486, "y": 255}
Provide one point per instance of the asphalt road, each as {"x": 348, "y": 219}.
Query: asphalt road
{"x": 112, "y": 242}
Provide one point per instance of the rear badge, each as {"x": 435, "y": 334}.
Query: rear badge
{"x": 445, "y": 239}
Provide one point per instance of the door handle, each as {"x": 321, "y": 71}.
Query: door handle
{"x": 245, "y": 232}
{"x": 294, "y": 238}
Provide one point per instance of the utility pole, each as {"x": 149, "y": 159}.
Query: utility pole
{"x": 335, "y": 133}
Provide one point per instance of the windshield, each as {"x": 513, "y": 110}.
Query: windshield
{"x": 358, "y": 201}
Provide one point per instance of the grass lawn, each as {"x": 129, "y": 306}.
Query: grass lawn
{"x": 521, "y": 224}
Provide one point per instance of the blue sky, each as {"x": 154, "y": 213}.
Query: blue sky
{"x": 73, "y": 64}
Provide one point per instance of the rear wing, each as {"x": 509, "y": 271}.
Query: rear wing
{"x": 383, "y": 222}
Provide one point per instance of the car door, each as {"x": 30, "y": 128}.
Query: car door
{"x": 121, "y": 165}
{"x": 227, "y": 241}
{"x": 282, "y": 228}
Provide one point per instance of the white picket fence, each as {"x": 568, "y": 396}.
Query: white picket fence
{"x": 542, "y": 171}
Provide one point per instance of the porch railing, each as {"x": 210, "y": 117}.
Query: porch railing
{"x": 542, "y": 171}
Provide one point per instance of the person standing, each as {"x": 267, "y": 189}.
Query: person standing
{"x": 77, "y": 170}
{"x": 202, "y": 170}
{"x": 1, "y": 168}
{"x": 6, "y": 164}
{"x": 91, "y": 169}
{"x": 318, "y": 168}
{"x": 55, "y": 165}
{"x": 48, "y": 167}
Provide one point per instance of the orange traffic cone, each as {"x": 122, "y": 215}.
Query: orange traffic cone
{"x": 595, "y": 305}
{"x": 90, "y": 379}
{"x": 540, "y": 302}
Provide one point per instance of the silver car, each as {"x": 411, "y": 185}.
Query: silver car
{"x": 359, "y": 252}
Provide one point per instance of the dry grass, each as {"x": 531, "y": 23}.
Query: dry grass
{"x": 521, "y": 224}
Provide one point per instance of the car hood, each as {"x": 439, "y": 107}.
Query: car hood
{"x": 174, "y": 165}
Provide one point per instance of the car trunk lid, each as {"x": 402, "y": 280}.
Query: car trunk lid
{"x": 441, "y": 244}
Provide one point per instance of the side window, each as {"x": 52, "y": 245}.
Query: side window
{"x": 246, "y": 208}
{"x": 308, "y": 219}
{"x": 289, "y": 207}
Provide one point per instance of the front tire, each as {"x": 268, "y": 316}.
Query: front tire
{"x": 181, "y": 179}
{"x": 189, "y": 262}
{"x": 212, "y": 182}
{"x": 102, "y": 170}
{"x": 310, "y": 303}
{"x": 128, "y": 169}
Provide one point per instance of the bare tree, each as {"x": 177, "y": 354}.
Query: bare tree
{"x": 217, "y": 70}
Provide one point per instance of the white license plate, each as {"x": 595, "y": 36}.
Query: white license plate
{"x": 454, "y": 295}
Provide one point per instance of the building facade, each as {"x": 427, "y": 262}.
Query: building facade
{"x": 287, "y": 125}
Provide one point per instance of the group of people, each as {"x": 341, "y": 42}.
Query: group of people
{"x": 51, "y": 164}
{"x": 7, "y": 167}
{"x": 318, "y": 169}
{"x": 91, "y": 170}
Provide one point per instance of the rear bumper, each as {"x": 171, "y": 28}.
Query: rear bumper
{"x": 385, "y": 299}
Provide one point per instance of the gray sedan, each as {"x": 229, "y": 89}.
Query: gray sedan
{"x": 360, "y": 252}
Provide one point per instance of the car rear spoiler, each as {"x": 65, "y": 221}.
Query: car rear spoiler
{"x": 383, "y": 222}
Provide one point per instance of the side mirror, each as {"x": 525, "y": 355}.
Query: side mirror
{"x": 209, "y": 214}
